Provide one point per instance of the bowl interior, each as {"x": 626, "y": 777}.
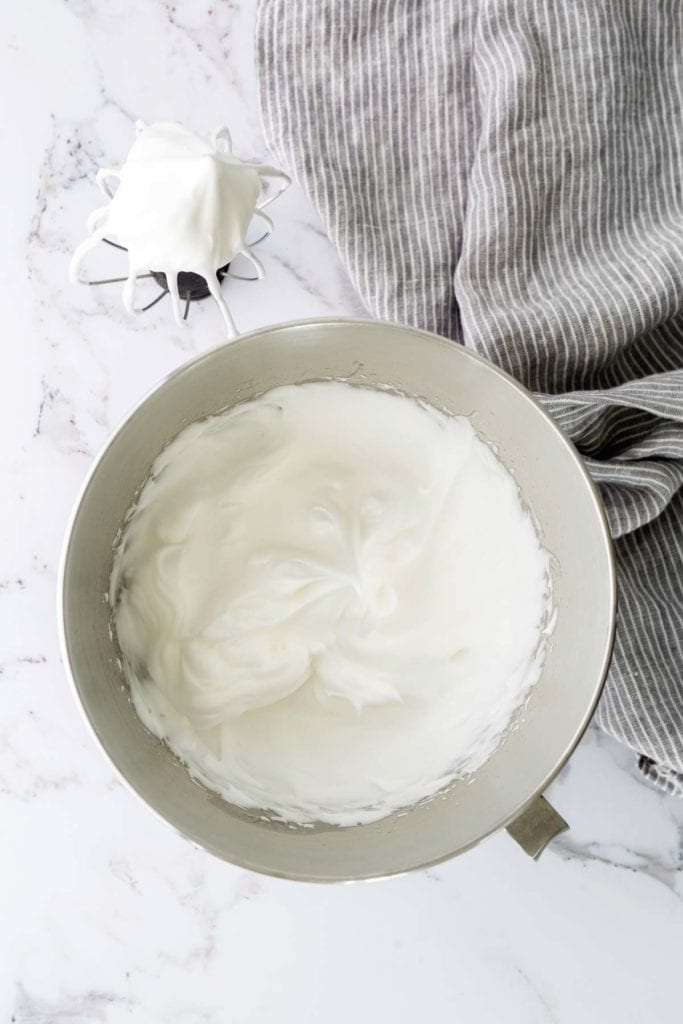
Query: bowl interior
{"x": 554, "y": 486}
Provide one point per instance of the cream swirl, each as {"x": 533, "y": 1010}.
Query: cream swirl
{"x": 330, "y": 601}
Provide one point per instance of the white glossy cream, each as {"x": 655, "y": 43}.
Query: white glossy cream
{"x": 330, "y": 601}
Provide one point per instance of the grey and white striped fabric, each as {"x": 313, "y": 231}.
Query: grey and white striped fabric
{"x": 508, "y": 173}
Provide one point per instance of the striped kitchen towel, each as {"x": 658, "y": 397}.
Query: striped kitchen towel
{"x": 508, "y": 173}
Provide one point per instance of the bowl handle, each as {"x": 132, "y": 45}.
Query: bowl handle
{"x": 534, "y": 828}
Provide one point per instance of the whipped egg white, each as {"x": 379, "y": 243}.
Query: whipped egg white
{"x": 330, "y": 601}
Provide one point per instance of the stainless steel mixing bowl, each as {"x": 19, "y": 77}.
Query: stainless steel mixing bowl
{"x": 555, "y": 486}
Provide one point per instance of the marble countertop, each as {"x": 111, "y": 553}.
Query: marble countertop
{"x": 105, "y": 914}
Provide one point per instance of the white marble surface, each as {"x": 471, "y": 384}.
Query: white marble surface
{"x": 105, "y": 914}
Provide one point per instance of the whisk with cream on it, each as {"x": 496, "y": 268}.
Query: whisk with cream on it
{"x": 183, "y": 204}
